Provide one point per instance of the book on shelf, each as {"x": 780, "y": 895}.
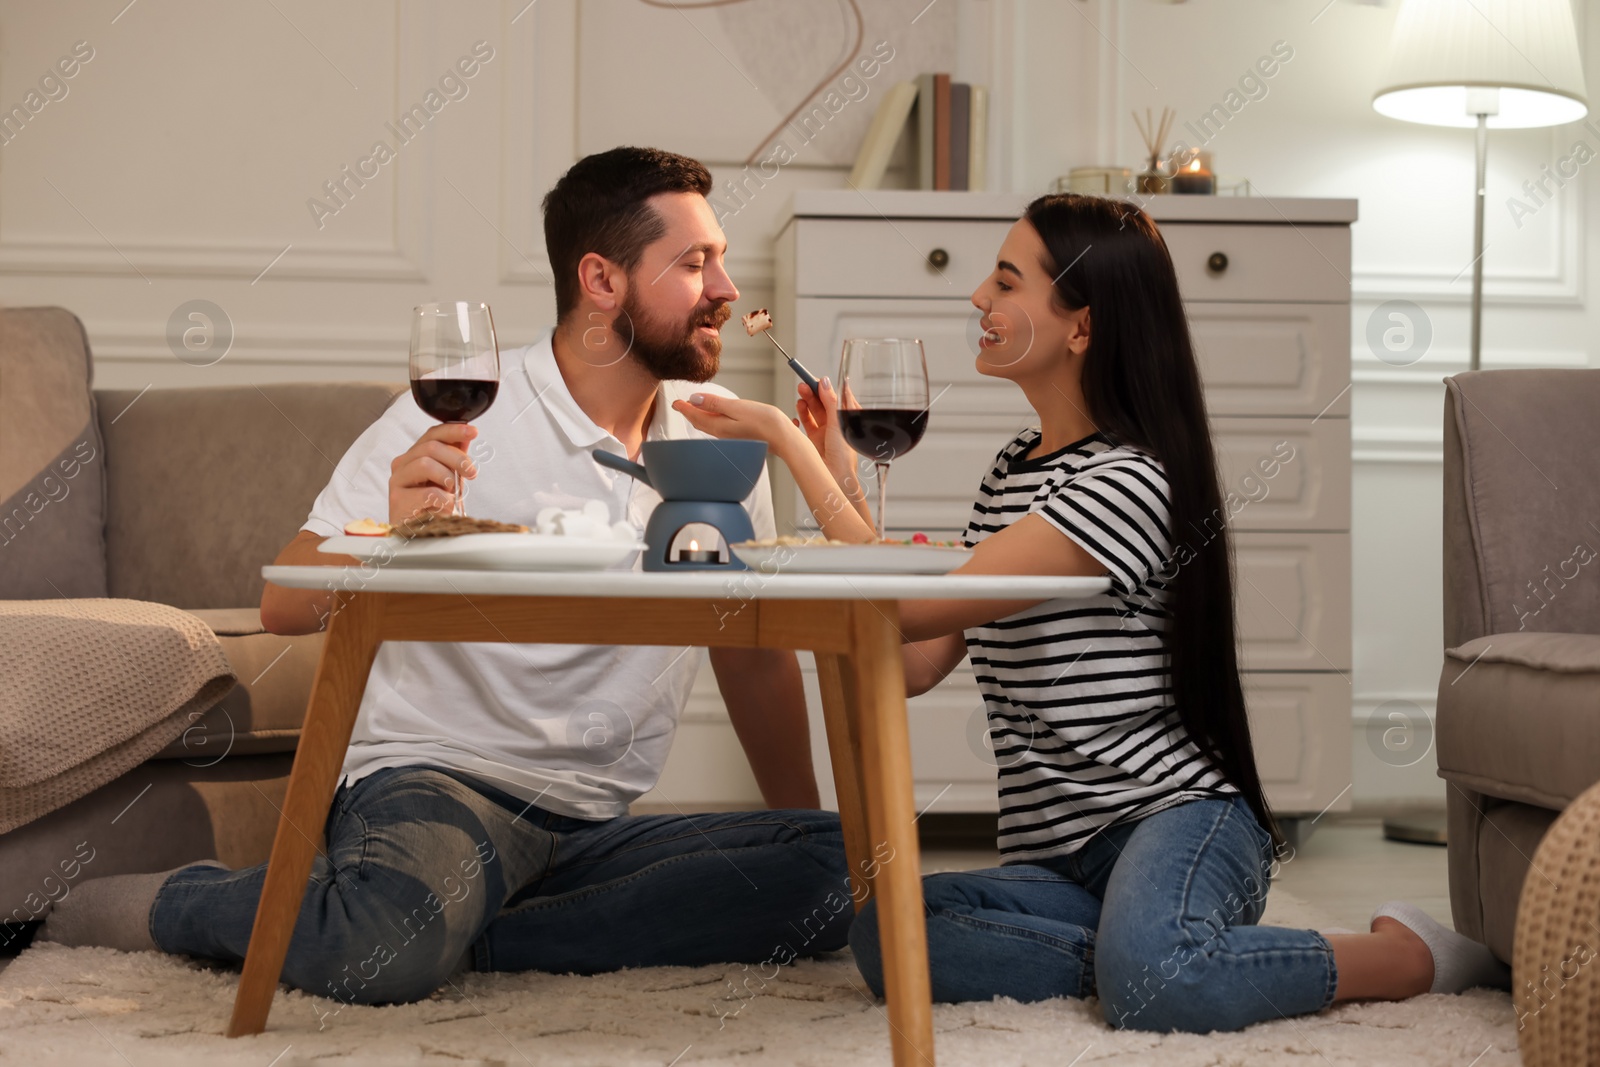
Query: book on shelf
{"x": 949, "y": 123}
{"x": 941, "y": 131}
{"x": 924, "y": 118}
{"x": 978, "y": 138}
{"x": 960, "y": 134}
{"x": 878, "y": 146}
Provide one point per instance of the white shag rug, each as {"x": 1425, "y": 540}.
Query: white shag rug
{"x": 97, "y": 1006}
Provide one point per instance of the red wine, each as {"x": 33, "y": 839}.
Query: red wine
{"x": 454, "y": 399}
{"x": 883, "y": 434}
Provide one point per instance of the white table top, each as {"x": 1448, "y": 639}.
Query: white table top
{"x": 743, "y": 585}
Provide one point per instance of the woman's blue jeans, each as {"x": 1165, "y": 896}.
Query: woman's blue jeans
{"x": 1157, "y": 917}
{"x": 423, "y": 865}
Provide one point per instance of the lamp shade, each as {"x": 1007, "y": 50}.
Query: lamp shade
{"x": 1444, "y": 50}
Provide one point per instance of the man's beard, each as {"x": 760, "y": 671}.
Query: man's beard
{"x": 668, "y": 351}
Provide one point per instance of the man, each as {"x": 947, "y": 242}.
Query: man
{"x": 481, "y": 819}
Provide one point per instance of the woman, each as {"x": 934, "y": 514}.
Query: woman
{"x": 1136, "y": 841}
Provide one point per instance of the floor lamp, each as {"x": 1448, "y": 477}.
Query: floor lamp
{"x": 1502, "y": 64}
{"x": 1505, "y": 64}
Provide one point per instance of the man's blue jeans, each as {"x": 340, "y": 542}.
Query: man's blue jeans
{"x": 424, "y": 864}
{"x": 1156, "y": 916}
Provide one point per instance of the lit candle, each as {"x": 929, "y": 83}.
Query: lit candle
{"x": 695, "y": 554}
{"x": 1195, "y": 178}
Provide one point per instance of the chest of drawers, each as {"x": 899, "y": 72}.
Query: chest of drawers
{"x": 1267, "y": 290}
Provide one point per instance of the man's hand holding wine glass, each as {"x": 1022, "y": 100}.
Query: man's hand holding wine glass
{"x": 455, "y": 375}
{"x": 422, "y": 479}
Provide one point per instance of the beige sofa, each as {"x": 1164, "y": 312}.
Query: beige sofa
{"x": 1519, "y": 695}
{"x": 187, "y": 494}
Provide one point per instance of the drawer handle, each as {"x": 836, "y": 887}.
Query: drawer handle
{"x": 1217, "y": 263}
{"x": 938, "y": 259}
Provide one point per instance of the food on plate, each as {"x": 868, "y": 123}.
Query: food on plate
{"x": 592, "y": 520}
{"x": 756, "y": 321}
{"x": 367, "y": 528}
{"x": 435, "y": 525}
{"x": 793, "y": 541}
{"x": 919, "y": 539}
{"x": 787, "y": 541}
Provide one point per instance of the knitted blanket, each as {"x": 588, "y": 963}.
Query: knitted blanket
{"x": 91, "y": 688}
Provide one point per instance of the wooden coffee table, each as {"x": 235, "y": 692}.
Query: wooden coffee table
{"x": 851, "y": 623}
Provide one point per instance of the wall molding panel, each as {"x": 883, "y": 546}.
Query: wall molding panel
{"x": 538, "y": 131}
{"x": 306, "y": 258}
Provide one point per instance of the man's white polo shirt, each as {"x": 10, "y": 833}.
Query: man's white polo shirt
{"x": 581, "y": 730}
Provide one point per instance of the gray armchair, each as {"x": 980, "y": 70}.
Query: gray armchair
{"x": 1519, "y": 697}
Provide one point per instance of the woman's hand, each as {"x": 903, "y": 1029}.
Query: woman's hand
{"x": 726, "y": 416}
{"x": 818, "y": 416}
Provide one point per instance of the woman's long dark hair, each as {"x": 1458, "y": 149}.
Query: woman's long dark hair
{"x": 1142, "y": 386}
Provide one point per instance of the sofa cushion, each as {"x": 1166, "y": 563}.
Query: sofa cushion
{"x": 261, "y": 714}
{"x": 206, "y": 486}
{"x": 1519, "y": 716}
{"x": 52, "y": 483}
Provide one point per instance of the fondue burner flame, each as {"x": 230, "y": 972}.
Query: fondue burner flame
{"x": 686, "y": 545}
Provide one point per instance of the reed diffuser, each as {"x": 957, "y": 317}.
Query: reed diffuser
{"x": 1154, "y": 133}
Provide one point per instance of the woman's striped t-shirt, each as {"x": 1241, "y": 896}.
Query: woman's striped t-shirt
{"x": 1078, "y": 697}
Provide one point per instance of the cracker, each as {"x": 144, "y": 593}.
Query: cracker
{"x": 435, "y": 525}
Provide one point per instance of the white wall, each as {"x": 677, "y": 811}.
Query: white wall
{"x": 180, "y": 162}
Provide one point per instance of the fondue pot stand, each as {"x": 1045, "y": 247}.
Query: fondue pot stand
{"x": 702, "y": 483}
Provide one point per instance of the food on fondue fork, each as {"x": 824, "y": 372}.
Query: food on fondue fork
{"x": 756, "y": 321}
{"x": 760, "y": 321}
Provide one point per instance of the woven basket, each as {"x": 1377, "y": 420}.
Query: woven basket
{"x": 1555, "y": 959}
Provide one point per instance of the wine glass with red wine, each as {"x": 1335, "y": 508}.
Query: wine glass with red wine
{"x": 883, "y": 402}
{"x": 455, "y": 366}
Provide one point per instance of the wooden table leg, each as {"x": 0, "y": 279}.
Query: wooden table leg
{"x": 844, "y": 750}
{"x": 880, "y": 688}
{"x": 331, "y": 715}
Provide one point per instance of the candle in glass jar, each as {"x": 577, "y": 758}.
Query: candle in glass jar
{"x": 1194, "y": 178}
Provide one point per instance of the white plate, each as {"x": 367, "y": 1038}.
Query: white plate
{"x": 853, "y": 559}
{"x": 488, "y": 551}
